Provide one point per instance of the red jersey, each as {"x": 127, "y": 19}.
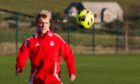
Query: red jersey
{"x": 45, "y": 53}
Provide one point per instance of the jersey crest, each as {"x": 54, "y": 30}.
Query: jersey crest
{"x": 51, "y": 43}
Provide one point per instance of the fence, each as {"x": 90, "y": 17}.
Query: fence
{"x": 103, "y": 38}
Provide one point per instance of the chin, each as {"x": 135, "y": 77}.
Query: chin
{"x": 44, "y": 31}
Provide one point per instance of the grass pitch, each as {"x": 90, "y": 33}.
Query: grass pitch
{"x": 96, "y": 69}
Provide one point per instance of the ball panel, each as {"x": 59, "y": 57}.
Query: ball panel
{"x": 85, "y": 19}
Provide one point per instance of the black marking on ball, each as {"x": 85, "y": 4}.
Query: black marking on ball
{"x": 87, "y": 11}
{"x": 82, "y": 18}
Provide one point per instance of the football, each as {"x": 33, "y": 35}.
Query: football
{"x": 85, "y": 19}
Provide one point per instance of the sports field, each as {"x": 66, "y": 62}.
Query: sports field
{"x": 96, "y": 69}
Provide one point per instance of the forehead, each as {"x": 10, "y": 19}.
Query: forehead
{"x": 41, "y": 19}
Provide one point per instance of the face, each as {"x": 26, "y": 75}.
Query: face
{"x": 43, "y": 25}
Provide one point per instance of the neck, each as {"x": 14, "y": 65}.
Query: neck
{"x": 44, "y": 32}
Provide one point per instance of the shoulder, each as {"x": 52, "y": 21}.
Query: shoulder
{"x": 29, "y": 39}
{"x": 59, "y": 37}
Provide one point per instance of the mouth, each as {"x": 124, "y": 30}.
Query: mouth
{"x": 42, "y": 28}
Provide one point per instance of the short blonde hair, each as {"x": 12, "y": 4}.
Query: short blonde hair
{"x": 44, "y": 14}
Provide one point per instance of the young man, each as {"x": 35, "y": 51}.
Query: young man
{"x": 45, "y": 50}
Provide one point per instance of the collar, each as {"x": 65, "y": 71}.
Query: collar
{"x": 48, "y": 33}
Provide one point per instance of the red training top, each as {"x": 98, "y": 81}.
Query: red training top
{"x": 45, "y": 53}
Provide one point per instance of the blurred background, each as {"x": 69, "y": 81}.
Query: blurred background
{"x": 116, "y": 27}
{"x": 115, "y": 33}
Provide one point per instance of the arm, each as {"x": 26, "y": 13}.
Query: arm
{"x": 69, "y": 59}
{"x": 22, "y": 56}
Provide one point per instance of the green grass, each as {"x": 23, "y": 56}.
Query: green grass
{"x": 33, "y": 6}
{"x": 9, "y": 35}
{"x": 96, "y": 69}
